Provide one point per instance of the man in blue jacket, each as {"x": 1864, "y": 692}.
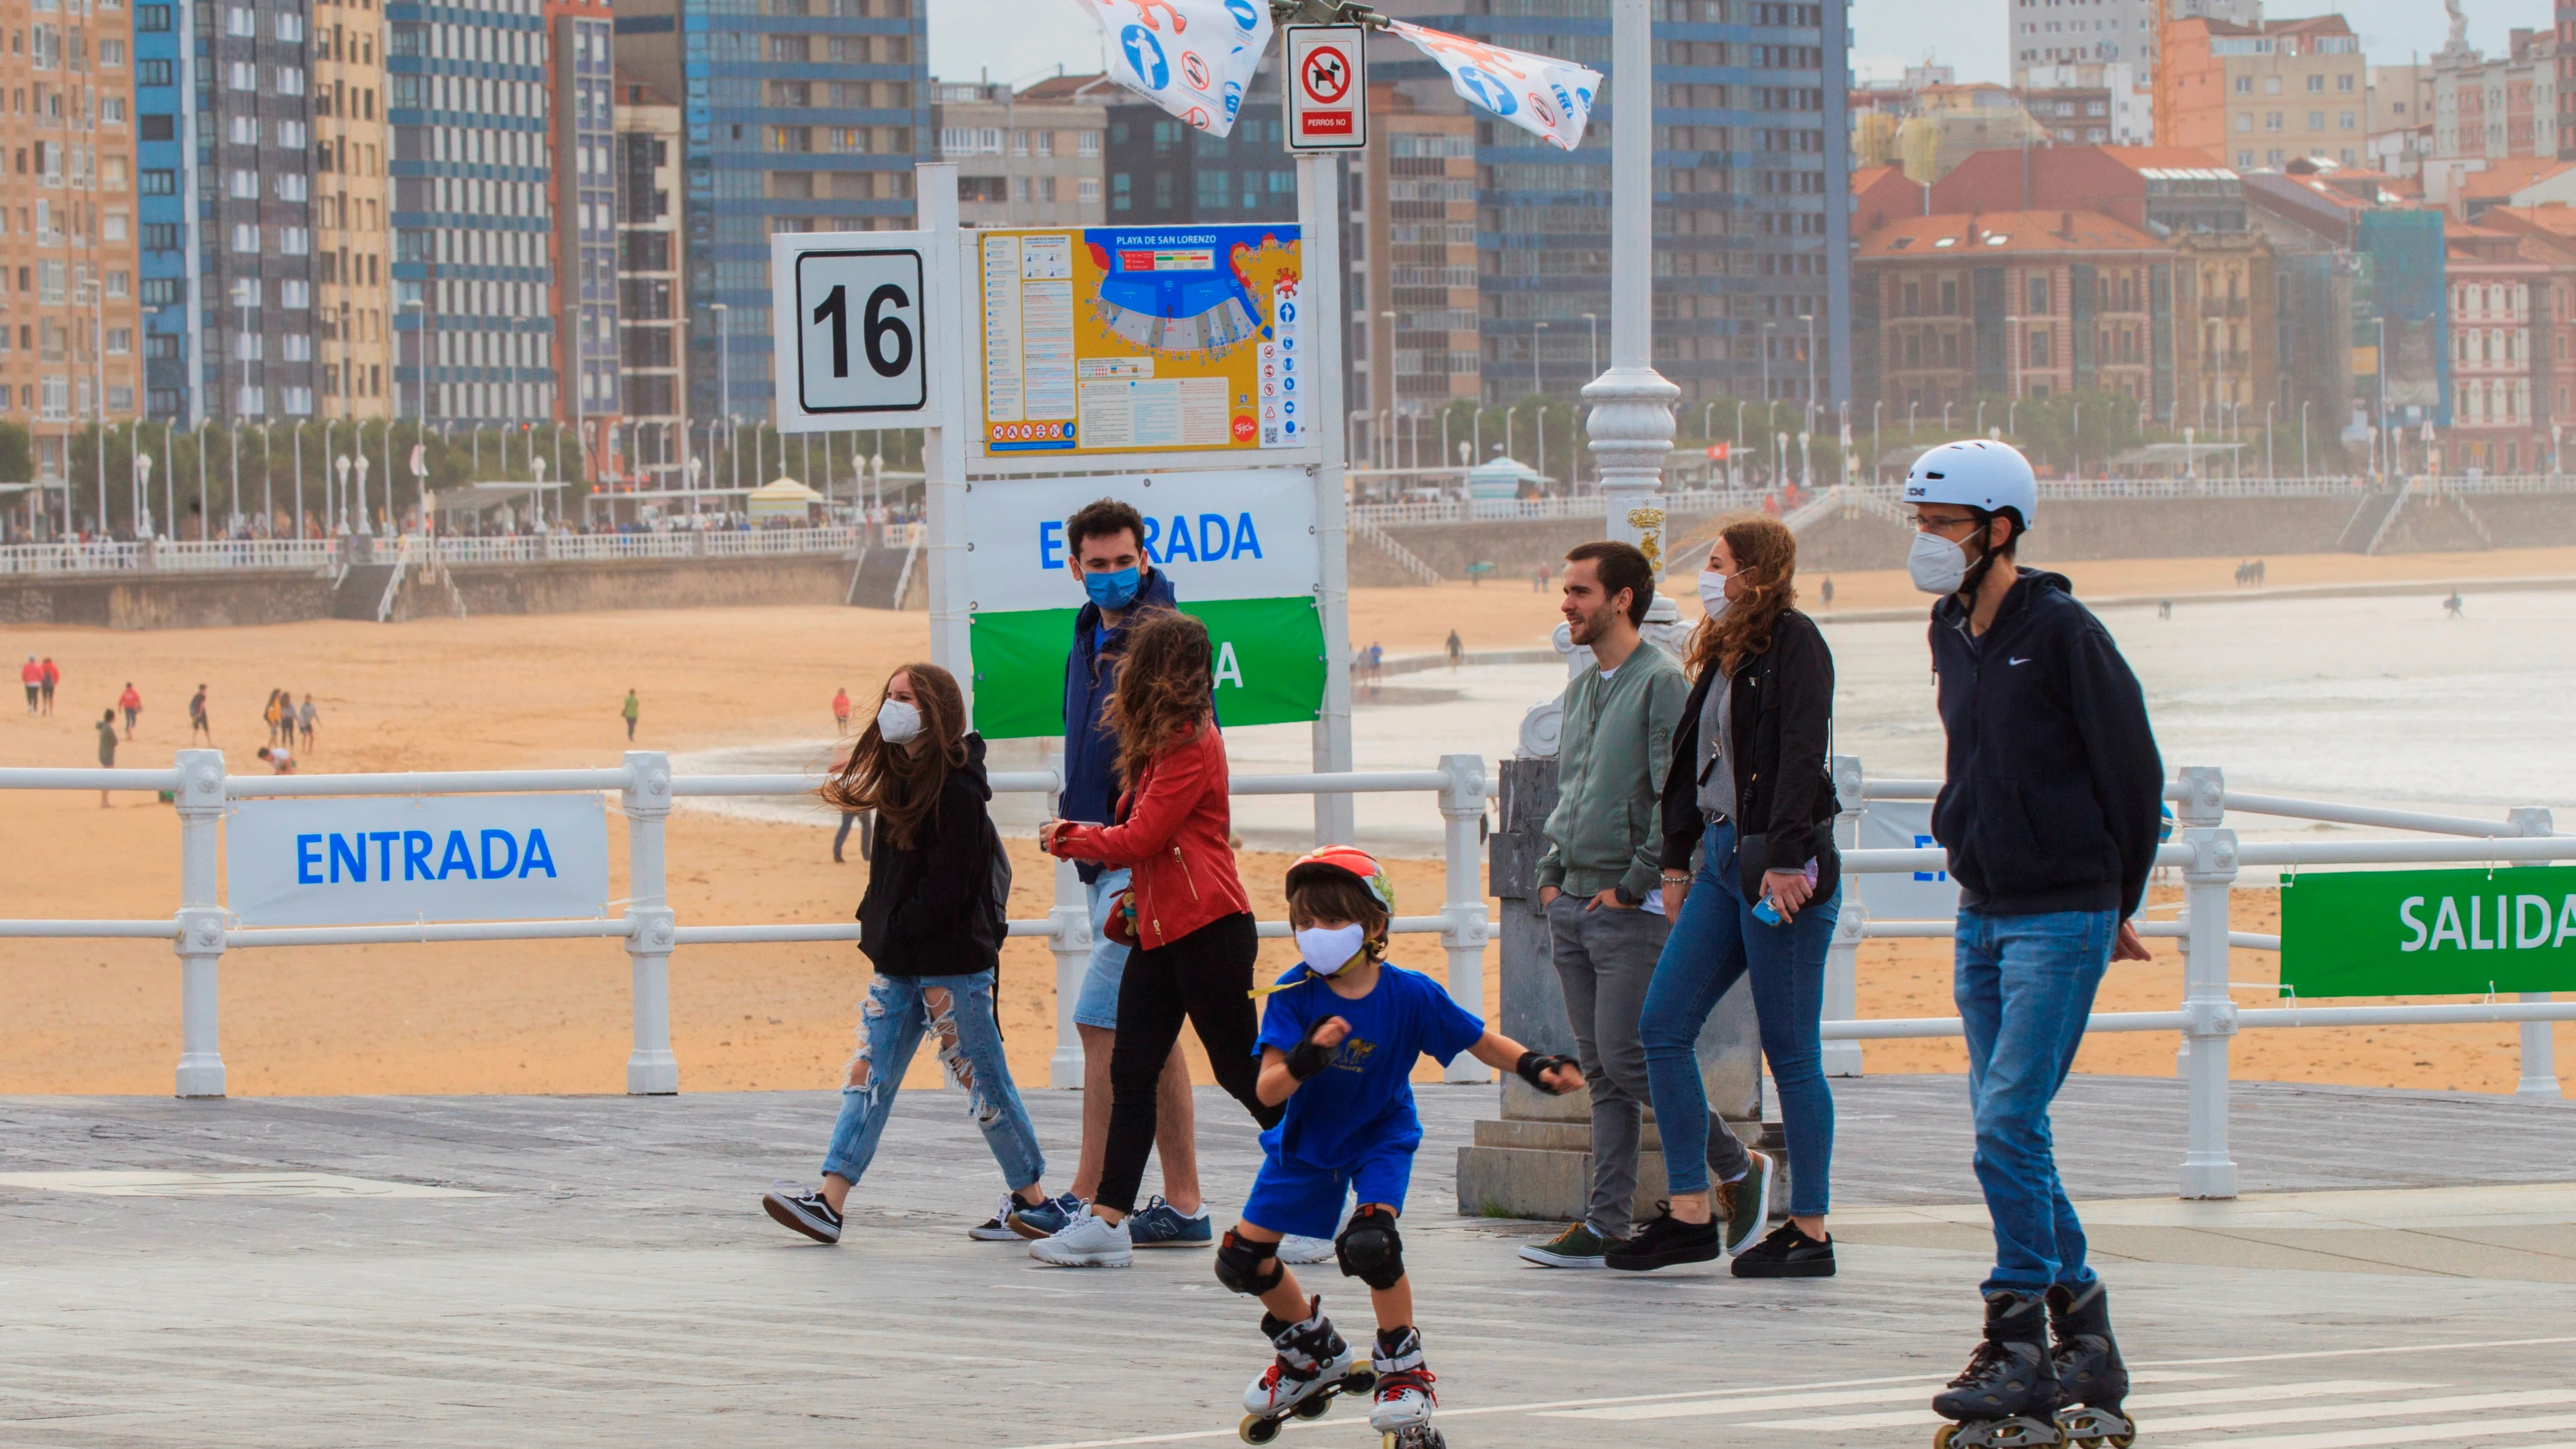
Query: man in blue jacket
{"x": 1104, "y": 542}
{"x": 2050, "y": 811}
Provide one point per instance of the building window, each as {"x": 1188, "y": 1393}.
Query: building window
{"x": 2039, "y": 348}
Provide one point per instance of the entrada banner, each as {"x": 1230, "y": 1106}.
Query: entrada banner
{"x": 2428, "y": 932}
{"x": 1239, "y": 548}
{"x": 384, "y": 860}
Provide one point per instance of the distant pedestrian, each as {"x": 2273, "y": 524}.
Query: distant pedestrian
{"x": 132, "y": 704}
{"x": 866, "y": 823}
{"x": 268, "y": 714}
{"x": 106, "y": 748}
{"x": 305, "y": 718}
{"x": 1827, "y": 589}
{"x": 1539, "y": 579}
{"x": 841, "y": 719}
{"x": 2164, "y": 608}
{"x": 33, "y": 676}
{"x": 197, "y": 720}
{"x": 2455, "y": 606}
{"x": 53, "y": 676}
{"x": 630, "y": 711}
{"x": 280, "y": 759}
{"x": 1457, "y": 650}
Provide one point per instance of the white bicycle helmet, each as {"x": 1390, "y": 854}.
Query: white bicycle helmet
{"x": 1976, "y": 473}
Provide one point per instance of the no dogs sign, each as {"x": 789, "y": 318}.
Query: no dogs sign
{"x": 1327, "y": 88}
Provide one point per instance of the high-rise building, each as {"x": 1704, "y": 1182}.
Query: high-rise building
{"x": 68, "y": 243}
{"x": 2265, "y": 94}
{"x": 1161, "y": 172}
{"x": 1030, "y": 158}
{"x": 251, "y": 117}
{"x": 472, "y": 219}
{"x": 1417, "y": 241}
{"x": 801, "y": 115}
{"x": 652, "y": 277}
{"x": 580, "y": 98}
{"x": 351, "y": 315}
{"x": 166, "y": 189}
{"x": 2049, "y": 32}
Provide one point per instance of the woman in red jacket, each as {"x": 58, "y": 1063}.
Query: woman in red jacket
{"x": 1186, "y": 910}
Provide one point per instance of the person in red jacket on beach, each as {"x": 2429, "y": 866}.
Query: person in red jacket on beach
{"x": 1185, "y": 910}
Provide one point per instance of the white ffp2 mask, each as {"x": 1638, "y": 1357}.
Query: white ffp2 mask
{"x": 1937, "y": 565}
{"x": 1712, "y": 592}
{"x": 897, "y": 722}
{"x": 1327, "y": 951}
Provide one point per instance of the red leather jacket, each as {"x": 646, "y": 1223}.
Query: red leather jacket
{"x": 1173, "y": 834}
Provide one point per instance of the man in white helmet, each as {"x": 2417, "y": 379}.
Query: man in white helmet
{"x": 2049, "y": 811}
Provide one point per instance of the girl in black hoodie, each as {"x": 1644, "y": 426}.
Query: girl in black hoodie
{"x": 932, "y": 923}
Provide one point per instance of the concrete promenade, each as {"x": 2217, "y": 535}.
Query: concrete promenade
{"x": 510, "y": 1270}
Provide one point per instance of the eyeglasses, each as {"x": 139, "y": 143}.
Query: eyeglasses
{"x": 1928, "y": 523}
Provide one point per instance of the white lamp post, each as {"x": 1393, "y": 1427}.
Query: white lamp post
{"x": 1631, "y": 423}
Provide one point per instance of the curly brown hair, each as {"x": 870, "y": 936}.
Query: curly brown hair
{"x": 901, "y": 783}
{"x": 1766, "y": 559}
{"x": 1163, "y": 688}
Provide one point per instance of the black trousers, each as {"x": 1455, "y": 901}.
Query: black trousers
{"x": 1207, "y": 977}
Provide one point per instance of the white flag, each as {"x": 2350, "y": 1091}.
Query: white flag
{"x": 1549, "y": 98}
{"x": 1194, "y": 58}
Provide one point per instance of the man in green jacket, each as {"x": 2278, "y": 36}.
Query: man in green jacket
{"x": 1600, "y": 877}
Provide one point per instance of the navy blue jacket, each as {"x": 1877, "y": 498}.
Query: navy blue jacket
{"x": 1090, "y": 677}
{"x": 2054, "y": 794}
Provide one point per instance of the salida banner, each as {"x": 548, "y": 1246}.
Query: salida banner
{"x": 352, "y": 862}
{"x": 2429, "y": 932}
{"x": 1241, "y": 552}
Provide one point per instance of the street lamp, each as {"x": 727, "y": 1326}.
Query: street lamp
{"x": 331, "y": 495}
{"x": 94, "y": 291}
{"x": 1810, "y": 319}
{"x": 340, "y": 499}
{"x": 724, "y": 371}
{"x": 1535, "y": 329}
{"x": 1386, "y": 345}
{"x": 1594, "y": 365}
{"x": 143, "y": 467}
{"x": 366, "y": 524}
{"x": 1766, "y": 365}
{"x": 420, "y": 433}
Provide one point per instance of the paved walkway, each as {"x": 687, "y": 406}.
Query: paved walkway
{"x": 483, "y": 1271}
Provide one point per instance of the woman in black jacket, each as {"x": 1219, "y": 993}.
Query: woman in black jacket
{"x": 932, "y": 923}
{"x": 1750, "y": 789}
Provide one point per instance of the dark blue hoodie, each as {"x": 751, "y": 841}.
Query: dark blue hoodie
{"x": 1090, "y": 677}
{"x": 2054, "y": 795}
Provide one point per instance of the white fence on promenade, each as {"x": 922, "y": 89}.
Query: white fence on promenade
{"x": 320, "y": 555}
{"x": 2205, "y": 849}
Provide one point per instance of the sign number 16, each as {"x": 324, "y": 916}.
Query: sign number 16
{"x": 889, "y": 326}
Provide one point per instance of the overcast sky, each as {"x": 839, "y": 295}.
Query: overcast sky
{"x": 1023, "y": 40}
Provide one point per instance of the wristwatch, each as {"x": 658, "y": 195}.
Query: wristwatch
{"x": 1620, "y": 894}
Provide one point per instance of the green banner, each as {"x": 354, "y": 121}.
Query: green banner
{"x": 1269, "y": 664}
{"x": 2428, "y": 932}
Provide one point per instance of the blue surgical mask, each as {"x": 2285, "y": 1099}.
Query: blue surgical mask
{"x": 1115, "y": 589}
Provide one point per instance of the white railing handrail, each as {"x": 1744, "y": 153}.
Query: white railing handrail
{"x": 166, "y": 555}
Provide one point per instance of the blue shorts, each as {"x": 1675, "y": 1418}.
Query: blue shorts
{"x": 1291, "y": 1197}
{"x": 1097, "y": 1005}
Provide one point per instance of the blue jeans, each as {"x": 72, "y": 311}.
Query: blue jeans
{"x": 1097, "y": 1004}
{"x": 2024, "y": 985}
{"x": 1717, "y": 940}
{"x": 958, "y": 1010}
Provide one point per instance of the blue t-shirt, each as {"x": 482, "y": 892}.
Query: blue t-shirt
{"x": 1363, "y": 1101}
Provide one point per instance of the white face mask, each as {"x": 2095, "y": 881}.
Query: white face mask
{"x": 1327, "y": 951}
{"x": 897, "y": 722}
{"x": 1938, "y": 565}
{"x": 1712, "y": 592}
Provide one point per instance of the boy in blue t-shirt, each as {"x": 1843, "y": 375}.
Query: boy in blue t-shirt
{"x": 1338, "y": 1042}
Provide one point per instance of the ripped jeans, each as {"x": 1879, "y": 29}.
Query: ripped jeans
{"x": 958, "y": 1011}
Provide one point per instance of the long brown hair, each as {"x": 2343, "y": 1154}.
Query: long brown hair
{"x": 1163, "y": 688}
{"x": 1766, "y": 560}
{"x": 901, "y": 783}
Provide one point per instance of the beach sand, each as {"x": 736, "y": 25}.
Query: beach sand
{"x": 517, "y": 692}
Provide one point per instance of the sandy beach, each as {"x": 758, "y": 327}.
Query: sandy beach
{"x": 506, "y": 692}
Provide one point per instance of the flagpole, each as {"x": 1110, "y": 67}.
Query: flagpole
{"x": 1631, "y": 422}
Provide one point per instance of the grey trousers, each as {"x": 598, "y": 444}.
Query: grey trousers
{"x": 1605, "y": 958}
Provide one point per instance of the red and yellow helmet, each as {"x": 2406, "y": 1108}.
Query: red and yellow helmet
{"x": 1347, "y": 860}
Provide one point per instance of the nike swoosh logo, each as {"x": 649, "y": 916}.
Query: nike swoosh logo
{"x": 2017, "y": 661}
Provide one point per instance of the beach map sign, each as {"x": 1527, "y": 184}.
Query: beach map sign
{"x": 1241, "y": 552}
{"x": 2428, "y": 932}
{"x": 1100, "y": 341}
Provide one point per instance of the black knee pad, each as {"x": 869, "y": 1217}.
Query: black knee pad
{"x": 1238, "y": 1264}
{"x": 1370, "y": 1249}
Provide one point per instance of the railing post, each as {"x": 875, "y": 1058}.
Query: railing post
{"x": 200, "y": 947}
{"x": 2539, "y": 1052}
{"x": 1842, "y": 957}
{"x": 2209, "y": 1012}
{"x": 1462, "y": 809}
{"x": 651, "y": 929}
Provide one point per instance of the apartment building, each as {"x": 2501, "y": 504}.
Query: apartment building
{"x": 2499, "y": 318}
{"x": 2265, "y": 94}
{"x": 2227, "y": 364}
{"x": 2397, "y": 128}
{"x": 1416, "y": 238}
{"x": 68, "y": 314}
{"x": 651, "y": 447}
{"x": 1026, "y": 158}
{"x": 167, "y": 256}
{"x": 2497, "y": 108}
{"x": 472, "y": 211}
{"x": 2077, "y": 32}
{"x": 2091, "y": 102}
{"x": 1159, "y": 170}
{"x": 250, "y": 110}
{"x": 351, "y": 312}
{"x": 580, "y": 96}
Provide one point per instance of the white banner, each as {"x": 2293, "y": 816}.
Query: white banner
{"x": 352, "y": 862}
{"x": 1193, "y": 58}
{"x": 1547, "y": 97}
{"x": 1923, "y": 895}
{"x": 1221, "y": 535}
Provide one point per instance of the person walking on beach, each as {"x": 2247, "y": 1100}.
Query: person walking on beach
{"x": 2049, "y": 810}
{"x": 630, "y": 711}
{"x": 106, "y": 748}
{"x": 198, "y": 720}
{"x": 305, "y": 718}
{"x": 1750, "y": 789}
{"x": 1184, "y": 909}
{"x": 132, "y": 703}
{"x": 269, "y": 713}
{"x": 932, "y": 924}
{"x": 53, "y": 676}
{"x": 840, "y": 714}
{"x": 32, "y": 675}
{"x": 1600, "y": 874}
{"x": 1105, "y": 540}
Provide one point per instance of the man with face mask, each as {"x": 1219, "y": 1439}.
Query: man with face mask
{"x": 2050, "y": 813}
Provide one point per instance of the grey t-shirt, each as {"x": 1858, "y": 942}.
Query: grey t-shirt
{"x": 1717, "y": 751}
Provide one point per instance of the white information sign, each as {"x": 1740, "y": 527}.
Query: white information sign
{"x": 849, "y": 319}
{"x": 1923, "y": 895}
{"x": 1327, "y": 89}
{"x": 383, "y": 860}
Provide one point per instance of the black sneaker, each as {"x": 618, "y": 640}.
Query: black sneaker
{"x": 1787, "y": 1253}
{"x": 803, "y": 1209}
{"x": 1663, "y": 1242}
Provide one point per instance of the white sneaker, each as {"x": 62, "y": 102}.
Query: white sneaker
{"x": 997, "y": 1228}
{"x": 1294, "y": 1248}
{"x": 1087, "y": 1242}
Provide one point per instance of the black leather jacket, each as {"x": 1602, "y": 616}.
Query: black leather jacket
{"x": 1784, "y": 789}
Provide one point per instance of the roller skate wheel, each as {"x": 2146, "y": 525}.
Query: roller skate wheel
{"x": 1313, "y": 1406}
{"x": 1257, "y": 1430}
{"x": 1359, "y": 1381}
{"x": 1942, "y": 1436}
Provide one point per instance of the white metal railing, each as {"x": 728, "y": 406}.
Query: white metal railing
{"x": 2209, "y": 855}
{"x": 167, "y": 556}
{"x": 321, "y": 554}
{"x": 1682, "y": 504}
{"x": 202, "y": 930}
